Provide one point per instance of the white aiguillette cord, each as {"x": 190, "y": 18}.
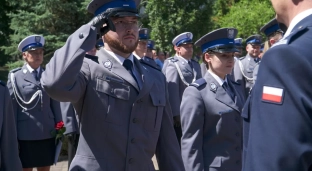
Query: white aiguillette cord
{"x": 18, "y": 97}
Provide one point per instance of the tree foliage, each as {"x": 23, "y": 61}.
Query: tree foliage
{"x": 168, "y": 18}
{"x": 54, "y": 19}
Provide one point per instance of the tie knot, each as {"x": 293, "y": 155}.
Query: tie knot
{"x": 128, "y": 64}
{"x": 225, "y": 85}
{"x": 35, "y": 71}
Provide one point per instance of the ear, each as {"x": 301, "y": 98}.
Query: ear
{"x": 247, "y": 47}
{"x": 24, "y": 55}
{"x": 208, "y": 57}
{"x": 272, "y": 41}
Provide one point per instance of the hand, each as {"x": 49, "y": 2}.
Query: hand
{"x": 102, "y": 23}
{"x": 176, "y": 121}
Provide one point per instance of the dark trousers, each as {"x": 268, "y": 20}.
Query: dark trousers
{"x": 178, "y": 131}
{"x": 72, "y": 146}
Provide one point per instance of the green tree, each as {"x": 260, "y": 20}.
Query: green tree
{"x": 54, "y": 19}
{"x": 168, "y": 18}
{"x": 248, "y": 16}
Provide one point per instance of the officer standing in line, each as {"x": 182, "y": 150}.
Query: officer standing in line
{"x": 180, "y": 72}
{"x": 273, "y": 34}
{"x": 141, "y": 50}
{"x": 9, "y": 159}
{"x": 123, "y": 106}
{"x": 244, "y": 67}
{"x": 211, "y": 109}
{"x": 36, "y": 113}
{"x": 280, "y": 105}
{"x": 239, "y": 46}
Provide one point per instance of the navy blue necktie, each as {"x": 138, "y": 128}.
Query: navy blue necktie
{"x": 35, "y": 74}
{"x": 190, "y": 64}
{"x": 129, "y": 66}
{"x": 227, "y": 88}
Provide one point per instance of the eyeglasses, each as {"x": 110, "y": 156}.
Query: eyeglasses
{"x": 121, "y": 24}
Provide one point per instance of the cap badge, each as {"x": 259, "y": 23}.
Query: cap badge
{"x": 231, "y": 33}
{"x": 37, "y": 39}
{"x": 188, "y": 35}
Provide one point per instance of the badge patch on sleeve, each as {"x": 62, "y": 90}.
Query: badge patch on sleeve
{"x": 272, "y": 94}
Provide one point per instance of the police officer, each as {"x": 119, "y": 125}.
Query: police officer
{"x": 211, "y": 108}
{"x": 239, "y": 46}
{"x": 9, "y": 159}
{"x": 244, "y": 67}
{"x": 144, "y": 46}
{"x": 273, "y": 34}
{"x": 280, "y": 109}
{"x": 36, "y": 113}
{"x": 123, "y": 107}
{"x": 180, "y": 72}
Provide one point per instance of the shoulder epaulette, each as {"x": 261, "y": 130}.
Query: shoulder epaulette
{"x": 241, "y": 58}
{"x": 93, "y": 58}
{"x": 199, "y": 83}
{"x": 2, "y": 83}
{"x": 16, "y": 69}
{"x": 172, "y": 59}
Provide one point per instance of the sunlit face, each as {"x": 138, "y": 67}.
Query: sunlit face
{"x": 142, "y": 47}
{"x": 34, "y": 58}
{"x": 125, "y": 39}
{"x": 253, "y": 50}
{"x": 220, "y": 63}
{"x": 149, "y": 53}
{"x": 185, "y": 50}
{"x": 161, "y": 56}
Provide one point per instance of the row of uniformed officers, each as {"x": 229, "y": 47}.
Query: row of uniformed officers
{"x": 126, "y": 106}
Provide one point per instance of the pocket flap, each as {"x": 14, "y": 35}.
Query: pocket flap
{"x": 157, "y": 99}
{"x": 113, "y": 88}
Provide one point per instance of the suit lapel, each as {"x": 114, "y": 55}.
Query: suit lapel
{"x": 221, "y": 94}
{"x": 185, "y": 65}
{"x": 147, "y": 79}
{"x": 115, "y": 67}
{"x": 28, "y": 76}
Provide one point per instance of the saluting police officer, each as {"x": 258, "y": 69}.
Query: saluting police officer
{"x": 211, "y": 108}
{"x": 180, "y": 72}
{"x": 273, "y": 34}
{"x": 123, "y": 106}
{"x": 281, "y": 103}
{"x": 9, "y": 159}
{"x": 36, "y": 113}
{"x": 244, "y": 67}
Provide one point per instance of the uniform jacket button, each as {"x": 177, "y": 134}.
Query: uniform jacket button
{"x": 134, "y": 120}
{"x": 81, "y": 36}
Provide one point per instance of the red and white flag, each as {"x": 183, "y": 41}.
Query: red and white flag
{"x": 272, "y": 94}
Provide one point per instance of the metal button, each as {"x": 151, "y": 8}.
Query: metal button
{"x": 132, "y": 140}
{"x": 134, "y": 120}
{"x": 131, "y": 160}
{"x": 81, "y": 36}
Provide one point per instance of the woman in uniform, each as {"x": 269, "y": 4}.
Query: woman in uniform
{"x": 211, "y": 108}
{"x": 35, "y": 112}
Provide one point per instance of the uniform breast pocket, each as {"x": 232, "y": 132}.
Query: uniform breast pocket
{"x": 111, "y": 91}
{"x": 154, "y": 115}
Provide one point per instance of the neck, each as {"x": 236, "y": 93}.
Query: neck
{"x": 125, "y": 55}
{"x": 33, "y": 66}
{"x": 185, "y": 57}
{"x": 295, "y": 10}
{"x": 137, "y": 53}
{"x": 222, "y": 76}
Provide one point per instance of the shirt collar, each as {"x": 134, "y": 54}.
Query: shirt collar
{"x": 219, "y": 80}
{"x": 30, "y": 69}
{"x": 118, "y": 58}
{"x": 296, "y": 20}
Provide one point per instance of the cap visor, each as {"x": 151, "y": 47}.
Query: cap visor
{"x": 228, "y": 50}
{"x": 126, "y": 14}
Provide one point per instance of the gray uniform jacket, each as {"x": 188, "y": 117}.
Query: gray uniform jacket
{"x": 248, "y": 65}
{"x": 122, "y": 126}
{"x": 211, "y": 126}
{"x": 36, "y": 123}
{"x": 176, "y": 86}
{"x": 9, "y": 159}
{"x": 69, "y": 117}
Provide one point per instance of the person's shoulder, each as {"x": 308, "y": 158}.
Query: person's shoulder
{"x": 199, "y": 83}
{"x": 2, "y": 84}
{"x": 16, "y": 70}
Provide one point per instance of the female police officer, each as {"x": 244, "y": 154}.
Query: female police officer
{"x": 36, "y": 113}
{"x": 211, "y": 107}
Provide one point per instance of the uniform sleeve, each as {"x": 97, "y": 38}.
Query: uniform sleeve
{"x": 280, "y": 136}
{"x": 66, "y": 75}
{"x": 69, "y": 117}
{"x": 9, "y": 146}
{"x": 56, "y": 109}
{"x": 173, "y": 81}
{"x": 192, "y": 123}
{"x": 167, "y": 151}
